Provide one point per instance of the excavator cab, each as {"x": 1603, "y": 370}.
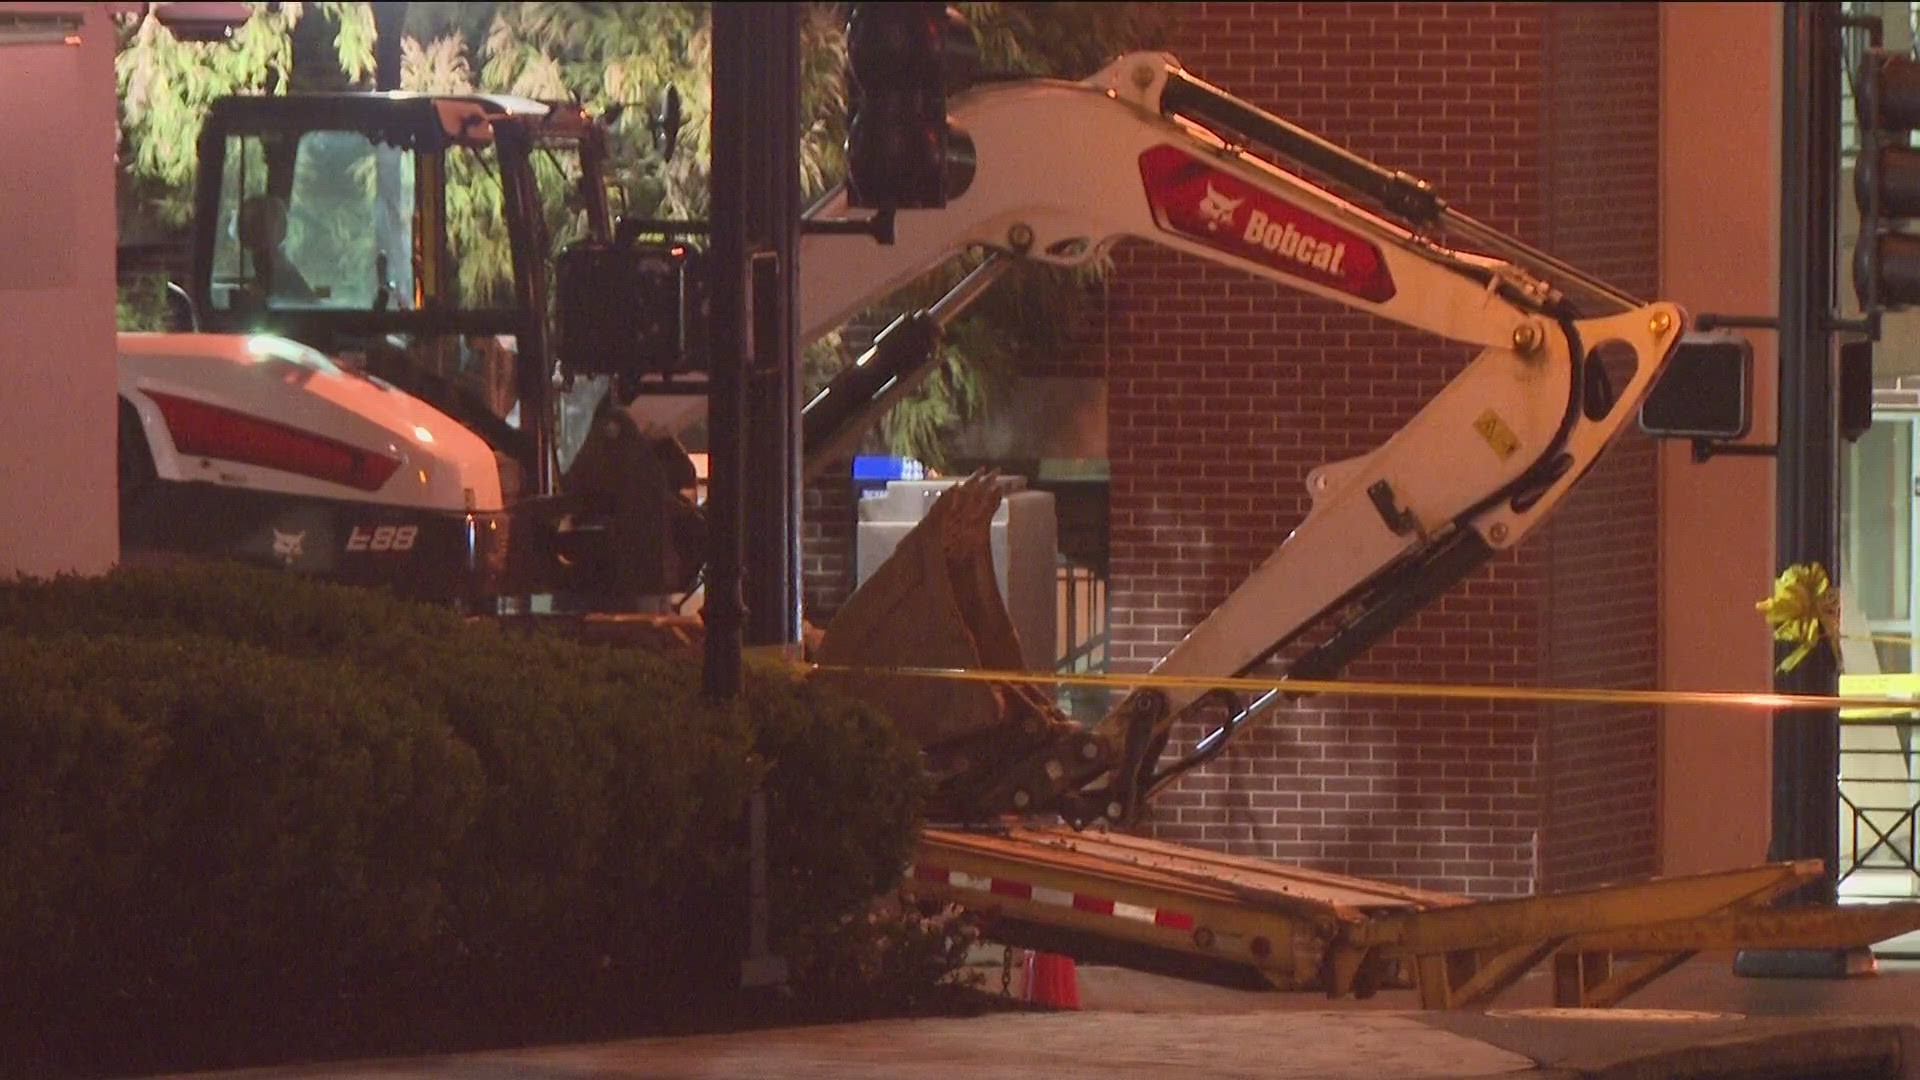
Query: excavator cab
{"x": 414, "y": 238}
{"x": 410, "y": 234}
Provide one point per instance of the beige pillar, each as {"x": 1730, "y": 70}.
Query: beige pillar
{"x": 57, "y": 233}
{"x": 1719, "y": 243}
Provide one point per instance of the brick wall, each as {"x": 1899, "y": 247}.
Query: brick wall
{"x": 826, "y": 545}
{"x": 1225, "y": 391}
{"x": 1602, "y": 200}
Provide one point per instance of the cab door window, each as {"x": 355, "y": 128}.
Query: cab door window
{"x": 319, "y": 220}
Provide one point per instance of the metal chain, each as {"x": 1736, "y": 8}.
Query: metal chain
{"x": 1006, "y": 972}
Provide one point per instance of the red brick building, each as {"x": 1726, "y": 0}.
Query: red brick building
{"x": 1224, "y": 391}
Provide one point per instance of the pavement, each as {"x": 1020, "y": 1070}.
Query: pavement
{"x": 1699, "y": 1022}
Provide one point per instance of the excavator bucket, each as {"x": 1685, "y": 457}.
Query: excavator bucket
{"x": 934, "y": 603}
{"x": 994, "y": 747}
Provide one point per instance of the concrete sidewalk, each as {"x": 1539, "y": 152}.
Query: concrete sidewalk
{"x": 1701, "y": 1022}
{"x": 1010, "y": 1046}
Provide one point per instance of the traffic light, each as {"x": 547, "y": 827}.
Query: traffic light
{"x": 902, "y": 61}
{"x": 1703, "y": 391}
{"x": 1886, "y": 182}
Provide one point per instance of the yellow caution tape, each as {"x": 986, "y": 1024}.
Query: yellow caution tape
{"x": 1803, "y": 611}
{"x": 1889, "y": 684}
{"x": 1767, "y": 701}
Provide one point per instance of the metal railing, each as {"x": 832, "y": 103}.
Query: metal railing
{"x": 1081, "y": 643}
{"x": 1879, "y": 805}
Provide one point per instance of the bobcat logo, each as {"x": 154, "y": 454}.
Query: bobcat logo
{"x": 288, "y": 546}
{"x": 1218, "y": 209}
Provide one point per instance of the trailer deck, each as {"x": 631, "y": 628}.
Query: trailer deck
{"x": 1162, "y": 907}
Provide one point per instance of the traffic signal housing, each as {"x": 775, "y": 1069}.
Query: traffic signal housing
{"x": 1886, "y": 182}
{"x": 1704, "y": 392}
{"x": 635, "y": 311}
{"x": 902, "y": 61}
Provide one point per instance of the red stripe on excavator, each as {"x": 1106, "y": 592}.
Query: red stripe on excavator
{"x": 201, "y": 429}
{"x": 1205, "y": 203}
{"x": 1173, "y": 920}
{"x": 930, "y": 873}
{"x": 1095, "y": 904}
{"x": 1019, "y": 890}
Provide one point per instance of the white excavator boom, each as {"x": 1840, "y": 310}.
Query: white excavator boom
{"x": 1145, "y": 150}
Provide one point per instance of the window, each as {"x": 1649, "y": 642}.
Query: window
{"x": 477, "y": 230}
{"x": 319, "y": 220}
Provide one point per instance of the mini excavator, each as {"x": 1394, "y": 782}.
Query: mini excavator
{"x": 1146, "y": 150}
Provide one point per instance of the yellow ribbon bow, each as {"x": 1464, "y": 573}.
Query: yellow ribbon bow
{"x": 1804, "y": 611}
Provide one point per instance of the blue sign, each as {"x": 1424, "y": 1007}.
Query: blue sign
{"x": 879, "y": 468}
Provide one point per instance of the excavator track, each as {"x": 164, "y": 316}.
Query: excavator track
{"x": 1155, "y": 906}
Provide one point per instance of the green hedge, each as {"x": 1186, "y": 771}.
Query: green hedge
{"x": 233, "y": 787}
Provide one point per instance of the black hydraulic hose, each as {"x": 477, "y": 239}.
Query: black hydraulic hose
{"x": 1600, "y": 297}
{"x": 1406, "y": 197}
{"x": 833, "y": 422}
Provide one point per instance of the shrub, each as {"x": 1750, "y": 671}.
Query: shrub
{"x": 225, "y": 821}
{"x": 236, "y": 787}
{"x": 283, "y": 614}
{"x": 897, "y": 950}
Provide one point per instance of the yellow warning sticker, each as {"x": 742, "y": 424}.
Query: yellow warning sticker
{"x": 1497, "y": 433}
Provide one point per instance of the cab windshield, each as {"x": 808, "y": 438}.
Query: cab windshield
{"x": 328, "y": 220}
{"x": 316, "y": 220}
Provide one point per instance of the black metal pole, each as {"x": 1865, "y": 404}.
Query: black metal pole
{"x": 731, "y": 335}
{"x": 389, "y": 26}
{"x": 772, "y": 533}
{"x": 1806, "y": 743}
{"x": 752, "y": 393}
{"x": 1806, "y": 795}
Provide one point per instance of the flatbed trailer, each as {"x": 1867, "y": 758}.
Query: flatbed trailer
{"x": 1150, "y": 905}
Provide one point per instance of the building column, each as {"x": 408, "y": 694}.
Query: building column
{"x": 1719, "y": 232}
{"x": 59, "y": 511}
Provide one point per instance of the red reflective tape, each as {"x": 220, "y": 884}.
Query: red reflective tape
{"x": 1092, "y": 903}
{"x": 1017, "y": 889}
{"x": 930, "y": 873}
{"x": 199, "y": 429}
{"x": 1173, "y": 920}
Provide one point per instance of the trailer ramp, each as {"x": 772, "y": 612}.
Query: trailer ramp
{"x": 1155, "y": 906}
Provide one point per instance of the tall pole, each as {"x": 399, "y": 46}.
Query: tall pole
{"x": 754, "y": 399}
{"x": 1806, "y": 742}
{"x": 731, "y": 335}
{"x": 389, "y": 25}
{"x": 772, "y": 553}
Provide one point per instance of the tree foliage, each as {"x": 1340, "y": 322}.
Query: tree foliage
{"x": 166, "y": 86}
{"x": 618, "y": 59}
{"x": 1030, "y": 314}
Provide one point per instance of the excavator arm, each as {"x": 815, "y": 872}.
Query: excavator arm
{"x": 1145, "y": 150}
